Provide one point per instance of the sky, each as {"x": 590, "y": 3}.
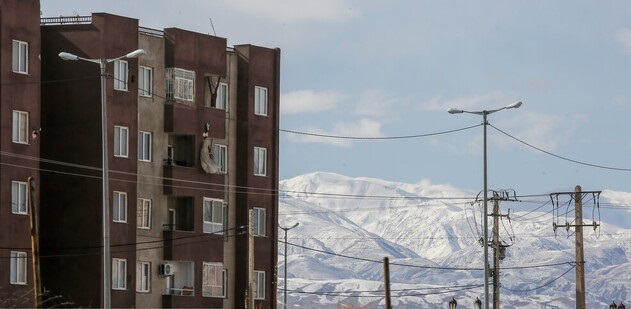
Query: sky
{"x": 387, "y": 71}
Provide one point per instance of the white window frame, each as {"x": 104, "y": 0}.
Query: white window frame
{"x": 222, "y": 96}
{"x": 180, "y": 84}
{"x": 145, "y": 146}
{"x": 144, "y": 214}
{"x": 260, "y": 222}
{"x": 121, "y": 141}
{"x": 143, "y": 277}
{"x": 18, "y": 270}
{"x": 213, "y": 215}
{"x": 260, "y": 101}
{"x": 214, "y": 280}
{"x": 119, "y": 274}
{"x": 20, "y": 57}
{"x": 20, "y": 127}
{"x": 220, "y": 156}
{"x": 19, "y": 203}
{"x": 260, "y": 161}
{"x": 121, "y": 72}
{"x": 119, "y": 207}
{"x": 145, "y": 81}
{"x": 259, "y": 283}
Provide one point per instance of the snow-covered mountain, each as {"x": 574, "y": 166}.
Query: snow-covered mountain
{"x": 430, "y": 234}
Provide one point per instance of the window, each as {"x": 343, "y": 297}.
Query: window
{"x": 121, "y": 140}
{"x": 119, "y": 274}
{"x": 143, "y": 277}
{"x": 259, "y": 222}
{"x": 20, "y": 127}
{"x": 260, "y": 101}
{"x": 214, "y": 280}
{"x": 119, "y": 204}
{"x": 20, "y": 57}
{"x": 220, "y": 155}
{"x": 180, "y": 84}
{"x": 144, "y": 146}
{"x": 120, "y": 75}
{"x": 145, "y": 81}
{"x": 213, "y": 216}
{"x": 260, "y": 161}
{"x": 259, "y": 283}
{"x": 222, "y": 96}
{"x": 18, "y": 198}
{"x": 144, "y": 213}
{"x": 18, "y": 267}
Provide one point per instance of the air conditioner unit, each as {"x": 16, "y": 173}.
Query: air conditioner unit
{"x": 166, "y": 269}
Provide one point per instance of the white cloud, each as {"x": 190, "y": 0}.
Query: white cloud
{"x": 309, "y": 101}
{"x": 487, "y": 101}
{"x": 544, "y": 131}
{"x": 296, "y": 10}
{"x": 623, "y": 36}
{"x": 361, "y": 128}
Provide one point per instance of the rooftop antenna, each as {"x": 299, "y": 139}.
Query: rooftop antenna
{"x": 212, "y": 26}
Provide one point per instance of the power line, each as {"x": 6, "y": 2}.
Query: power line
{"x": 561, "y": 157}
{"x": 378, "y": 138}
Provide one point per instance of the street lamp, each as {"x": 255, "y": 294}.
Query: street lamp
{"x": 286, "y": 229}
{"x": 613, "y": 305}
{"x": 453, "y": 303}
{"x": 107, "y": 266}
{"x": 484, "y": 114}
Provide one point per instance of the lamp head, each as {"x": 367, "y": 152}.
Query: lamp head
{"x": 135, "y": 53}
{"x": 514, "y": 105}
{"x": 455, "y": 111}
{"x": 68, "y": 56}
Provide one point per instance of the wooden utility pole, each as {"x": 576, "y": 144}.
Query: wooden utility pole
{"x": 496, "y": 253}
{"x": 580, "y": 259}
{"x": 386, "y": 281}
{"x": 34, "y": 214}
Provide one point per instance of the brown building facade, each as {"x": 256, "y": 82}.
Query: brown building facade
{"x": 192, "y": 128}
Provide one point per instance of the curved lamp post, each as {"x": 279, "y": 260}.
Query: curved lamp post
{"x": 107, "y": 266}
{"x": 484, "y": 114}
{"x": 477, "y": 304}
{"x": 285, "y": 281}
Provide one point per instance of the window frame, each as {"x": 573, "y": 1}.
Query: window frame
{"x": 119, "y": 276}
{"x": 18, "y": 268}
{"x": 145, "y": 81}
{"x": 145, "y": 140}
{"x": 215, "y": 225}
{"x": 260, "y": 100}
{"x": 121, "y": 141}
{"x": 222, "y": 96}
{"x": 260, "y": 154}
{"x": 260, "y": 222}
{"x": 121, "y": 78}
{"x": 143, "y": 220}
{"x": 259, "y": 281}
{"x": 19, "y": 59}
{"x": 220, "y": 276}
{"x": 220, "y": 156}
{"x": 19, "y": 127}
{"x": 22, "y": 202}
{"x": 143, "y": 277}
{"x": 119, "y": 210}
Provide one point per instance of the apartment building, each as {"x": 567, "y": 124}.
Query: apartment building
{"x": 192, "y": 129}
{"x": 19, "y": 146}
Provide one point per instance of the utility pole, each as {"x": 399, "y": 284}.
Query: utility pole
{"x": 386, "y": 281}
{"x": 37, "y": 281}
{"x": 577, "y": 195}
{"x": 498, "y": 247}
{"x": 580, "y": 259}
{"x": 251, "y": 287}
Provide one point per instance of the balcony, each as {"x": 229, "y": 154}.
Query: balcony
{"x": 180, "y": 291}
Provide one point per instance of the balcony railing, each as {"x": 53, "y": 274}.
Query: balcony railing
{"x": 65, "y": 20}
